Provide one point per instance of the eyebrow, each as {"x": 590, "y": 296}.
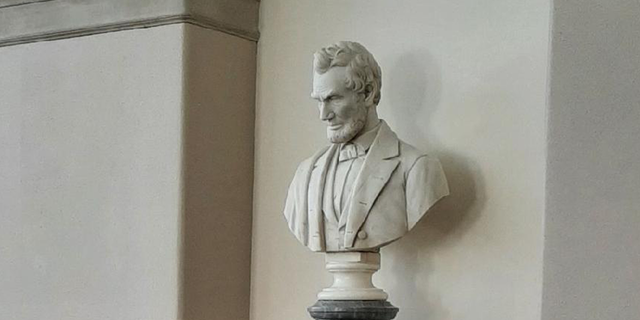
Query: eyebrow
{"x": 322, "y": 98}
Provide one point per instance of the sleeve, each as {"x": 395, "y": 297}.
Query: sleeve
{"x": 426, "y": 184}
{"x": 291, "y": 210}
{"x": 289, "y": 207}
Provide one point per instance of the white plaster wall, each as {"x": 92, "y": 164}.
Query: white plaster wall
{"x": 592, "y": 232}
{"x": 465, "y": 80}
{"x": 90, "y": 160}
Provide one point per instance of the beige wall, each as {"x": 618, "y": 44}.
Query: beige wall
{"x": 592, "y": 227}
{"x": 126, "y": 161}
{"x": 126, "y": 173}
{"x": 464, "y": 80}
{"x": 218, "y": 174}
{"x": 90, "y": 158}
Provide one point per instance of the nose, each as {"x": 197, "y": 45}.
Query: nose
{"x": 326, "y": 113}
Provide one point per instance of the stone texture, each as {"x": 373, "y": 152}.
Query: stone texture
{"x": 353, "y": 310}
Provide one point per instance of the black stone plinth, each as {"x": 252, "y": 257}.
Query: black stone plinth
{"x": 353, "y": 310}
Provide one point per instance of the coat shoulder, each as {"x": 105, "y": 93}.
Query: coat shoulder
{"x": 309, "y": 162}
{"x": 409, "y": 155}
{"x": 409, "y": 152}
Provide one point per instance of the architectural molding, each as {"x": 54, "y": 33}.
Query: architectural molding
{"x": 16, "y": 3}
{"x": 27, "y": 21}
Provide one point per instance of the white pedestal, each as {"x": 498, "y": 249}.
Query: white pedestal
{"x": 352, "y": 272}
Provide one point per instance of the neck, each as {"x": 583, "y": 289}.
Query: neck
{"x": 372, "y": 120}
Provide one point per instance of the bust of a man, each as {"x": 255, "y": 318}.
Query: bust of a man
{"x": 367, "y": 188}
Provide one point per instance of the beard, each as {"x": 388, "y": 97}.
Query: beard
{"x": 350, "y": 129}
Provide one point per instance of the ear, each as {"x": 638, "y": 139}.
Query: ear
{"x": 369, "y": 95}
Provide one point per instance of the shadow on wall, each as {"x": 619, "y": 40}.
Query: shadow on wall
{"x": 416, "y": 85}
{"x": 410, "y": 260}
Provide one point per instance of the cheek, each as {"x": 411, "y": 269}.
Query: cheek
{"x": 346, "y": 109}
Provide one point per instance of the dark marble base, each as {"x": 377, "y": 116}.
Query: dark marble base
{"x": 353, "y": 310}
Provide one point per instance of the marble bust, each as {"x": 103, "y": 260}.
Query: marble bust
{"x": 367, "y": 188}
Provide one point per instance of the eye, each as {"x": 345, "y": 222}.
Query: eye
{"x": 333, "y": 98}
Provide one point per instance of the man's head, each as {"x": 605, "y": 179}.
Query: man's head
{"x": 346, "y": 83}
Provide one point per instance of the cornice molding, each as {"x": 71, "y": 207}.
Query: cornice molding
{"x": 16, "y": 3}
{"x": 23, "y": 19}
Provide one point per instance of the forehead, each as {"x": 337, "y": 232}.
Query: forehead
{"x": 332, "y": 80}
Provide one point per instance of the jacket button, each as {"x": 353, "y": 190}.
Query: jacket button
{"x": 362, "y": 235}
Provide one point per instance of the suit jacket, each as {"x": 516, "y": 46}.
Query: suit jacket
{"x": 395, "y": 187}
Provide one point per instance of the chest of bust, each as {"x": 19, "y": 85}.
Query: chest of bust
{"x": 373, "y": 214}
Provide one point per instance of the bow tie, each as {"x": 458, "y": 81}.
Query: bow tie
{"x": 351, "y": 151}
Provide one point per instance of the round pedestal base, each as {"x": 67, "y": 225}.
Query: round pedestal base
{"x": 353, "y": 310}
{"x": 352, "y": 272}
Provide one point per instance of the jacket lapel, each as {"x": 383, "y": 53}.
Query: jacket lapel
{"x": 323, "y": 163}
{"x": 328, "y": 182}
{"x": 378, "y": 166}
{"x": 302, "y": 197}
{"x": 314, "y": 194}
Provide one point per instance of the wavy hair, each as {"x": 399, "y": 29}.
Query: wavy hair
{"x": 363, "y": 72}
